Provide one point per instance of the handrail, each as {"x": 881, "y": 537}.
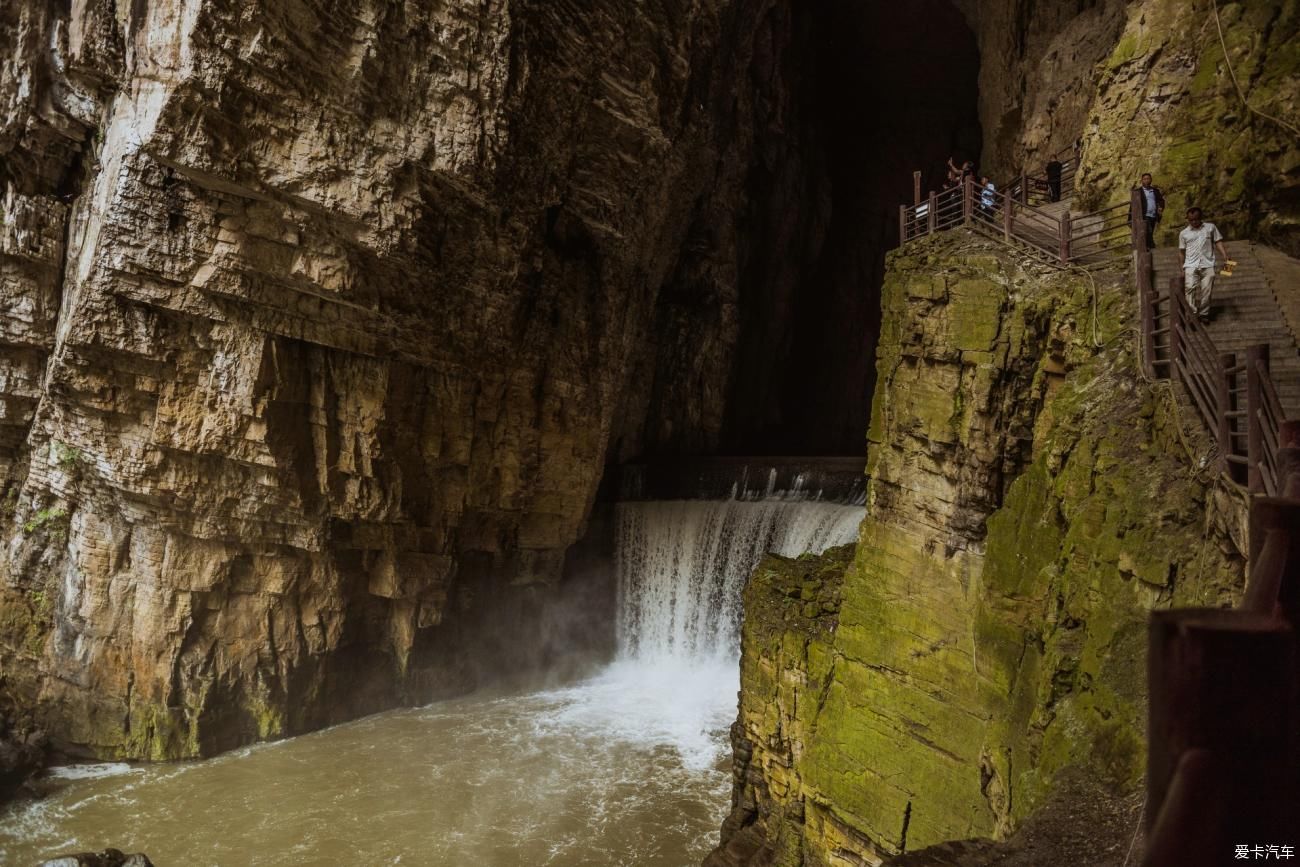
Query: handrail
{"x": 1236, "y": 401}
{"x": 1235, "y": 398}
{"x": 1224, "y": 703}
{"x": 1209, "y": 740}
{"x": 1086, "y": 240}
{"x": 1223, "y": 684}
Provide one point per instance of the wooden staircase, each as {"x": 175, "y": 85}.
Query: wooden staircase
{"x": 1245, "y": 312}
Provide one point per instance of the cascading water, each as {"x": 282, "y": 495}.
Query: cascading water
{"x": 627, "y": 767}
{"x": 682, "y": 565}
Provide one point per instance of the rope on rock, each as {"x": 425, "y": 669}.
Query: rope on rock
{"x": 1241, "y": 94}
{"x": 1096, "y": 336}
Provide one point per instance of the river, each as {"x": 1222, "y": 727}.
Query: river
{"x": 630, "y": 767}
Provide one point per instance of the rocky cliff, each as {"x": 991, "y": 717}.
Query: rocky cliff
{"x": 977, "y": 664}
{"x": 1030, "y": 498}
{"x": 320, "y": 324}
{"x": 1219, "y": 130}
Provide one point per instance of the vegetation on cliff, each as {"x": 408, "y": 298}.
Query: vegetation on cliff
{"x": 1030, "y": 499}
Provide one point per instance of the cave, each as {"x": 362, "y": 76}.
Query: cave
{"x": 514, "y": 431}
{"x": 846, "y": 100}
{"x": 829, "y": 142}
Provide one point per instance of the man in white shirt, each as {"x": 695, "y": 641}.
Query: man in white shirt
{"x": 1196, "y": 246}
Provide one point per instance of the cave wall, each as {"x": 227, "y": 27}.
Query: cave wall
{"x": 322, "y": 328}
{"x": 1166, "y": 104}
{"x": 1145, "y": 86}
{"x": 316, "y": 326}
{"x": 766, "y": 331}
{"x": 1038, "y": 75}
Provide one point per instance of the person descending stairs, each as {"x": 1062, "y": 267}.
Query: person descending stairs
{"x": 1247, "y": 309}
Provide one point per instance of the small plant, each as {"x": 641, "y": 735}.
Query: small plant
{"x": 67, "y": 457}
{"x": 41, "y": 602}
{"x": 9, "y": 504}
{"x": 53, "y": 520}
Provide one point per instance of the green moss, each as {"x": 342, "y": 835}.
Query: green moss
{"x": 1125, "y": 52}
{"x": 971, "y": 660}
{"x": 26, "y": 618}
{"x": 68, "y": 458}
{"x": 52, "y": 521}
{"x": 268, "y": 719}
{"x": 156, "y": 733}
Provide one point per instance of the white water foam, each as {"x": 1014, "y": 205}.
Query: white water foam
{"x": 682, "y": 565}
{"x": 89, "y": 772}
{"x": 681, "y": 568}
{"x": 628, "y": 767}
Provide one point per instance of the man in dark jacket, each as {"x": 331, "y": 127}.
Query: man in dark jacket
{"x": 1153, "y": 207}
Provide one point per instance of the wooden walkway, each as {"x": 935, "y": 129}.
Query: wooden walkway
{"x": 1223, "y": 732}
{"x": 1246, "y": 313}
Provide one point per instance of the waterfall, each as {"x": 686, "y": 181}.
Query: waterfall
{"x": 682, "y": 565}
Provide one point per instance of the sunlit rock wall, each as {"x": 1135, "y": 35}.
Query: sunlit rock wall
{"x": 315, "y": 328}
{"x": 1166, "y": 104}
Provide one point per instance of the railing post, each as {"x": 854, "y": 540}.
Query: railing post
{"x": 1219, "y": 682}
{"x": 1255, "y": 356}
{"x": 1146, "y": 291}
{"x": 1065, "y": 238}
{"x": 932, "y": 213}
{"x": 916, "y": 188}
{"x": 1288, "y": 459}
{"x": 1222, "y": 397}
{"x": 1146, "y": 297}
{"x": 1024, "y": 188}
{"x": 1175, "y": 326}
{"x": 967, "y": 198}
{"x": 902, "y": 225}
{"x": 1137, "y": 225}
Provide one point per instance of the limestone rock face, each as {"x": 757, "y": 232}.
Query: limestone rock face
{"x": 1166, "y": 103}
{"x": 321, "y": 322}
{"x": 1029, "y": 500}
{"x": 1038, "y": 75}
{"x": 316, "y": 325}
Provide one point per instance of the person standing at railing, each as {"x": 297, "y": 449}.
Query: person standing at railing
{"x": 1153, "y": 208}
{"x": 1196, "y": 246}
{"x": 957, "y": 175}
{"x": 1054, "y": 180}
{"x": 988, "y": 195}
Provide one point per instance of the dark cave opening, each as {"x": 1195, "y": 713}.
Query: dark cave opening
{"x": 872, "y": 91}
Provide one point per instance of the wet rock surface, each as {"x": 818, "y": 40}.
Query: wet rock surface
{"x": 22, "y": 754}
{"x": 107, "y": 858}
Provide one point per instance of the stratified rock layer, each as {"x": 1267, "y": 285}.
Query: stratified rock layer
{"x": 1029, "y": 500}
{"x": 1166, "y": 103}
{"x": 322, "y": 321}
{"x": 313, "y": 378}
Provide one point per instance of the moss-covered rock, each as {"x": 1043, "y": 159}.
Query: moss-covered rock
{"x": 1166, "y": 103}
{"x": 1026, "y": 508}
